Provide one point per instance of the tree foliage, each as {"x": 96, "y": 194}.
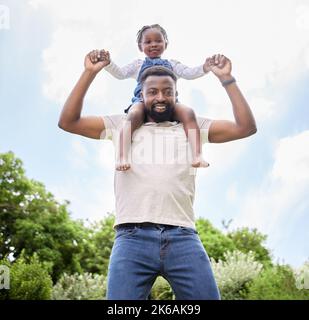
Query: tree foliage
{"x": 214, "y": 241}
{"x": 33, "y": 221}
{"x": 247, "y": 240}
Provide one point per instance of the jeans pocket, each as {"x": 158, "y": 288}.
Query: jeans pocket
{"x": 125, "y": 231}
{"x": 187, "y": 230}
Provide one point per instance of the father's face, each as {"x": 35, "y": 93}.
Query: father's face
{"x": 159, "y": 95}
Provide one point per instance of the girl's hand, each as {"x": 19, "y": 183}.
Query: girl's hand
{"x": 207, "y": 65}
{"x": 94, "y": 62}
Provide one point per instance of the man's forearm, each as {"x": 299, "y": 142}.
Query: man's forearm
{"x": 72, "y": 108}
{"x": 242, "y": 113}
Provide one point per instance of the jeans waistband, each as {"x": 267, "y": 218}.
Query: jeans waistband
{"x": 145, "y": 225}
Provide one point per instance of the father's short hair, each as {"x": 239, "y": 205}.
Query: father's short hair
{"x": 157, "y": 71}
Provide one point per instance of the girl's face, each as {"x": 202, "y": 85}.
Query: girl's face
{"x": 152, "y": 43}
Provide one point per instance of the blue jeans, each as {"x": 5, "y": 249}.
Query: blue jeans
{"x": 140, "y": 254}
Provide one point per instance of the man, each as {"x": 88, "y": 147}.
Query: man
{"x": 155, "y": 230}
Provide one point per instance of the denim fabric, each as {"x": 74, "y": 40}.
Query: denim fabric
{"x": 140, "y": 254}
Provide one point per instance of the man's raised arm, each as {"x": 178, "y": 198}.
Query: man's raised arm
{"x": 70, "y": 119}
{"x": 244, "y": 125}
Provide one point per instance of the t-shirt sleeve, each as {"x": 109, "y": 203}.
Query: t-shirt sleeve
{"x": 112, "y": 125}
{"x": 204, "y": 125}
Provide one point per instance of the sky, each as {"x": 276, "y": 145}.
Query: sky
{"x": 259, "y": 182}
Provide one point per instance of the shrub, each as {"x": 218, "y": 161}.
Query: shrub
{"x": 85, "y": 286}
{"x": 234, "y": 273}
{"x": 29, "y": 280}
{"x": 162, "y": 290}
{"x": 277, "y": 283}
{"x": 301, "y": 276}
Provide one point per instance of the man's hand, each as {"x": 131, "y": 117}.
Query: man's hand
{"x": 96, "y": 60}
{"x": 221, "y": 66}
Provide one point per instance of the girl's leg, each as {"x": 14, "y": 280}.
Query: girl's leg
{"x": 134, "y": 120}
{"x": 187, "y": 117}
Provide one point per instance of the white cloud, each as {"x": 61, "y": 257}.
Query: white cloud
{"x": 302, "y": 17}
{"x": 78, "y": 155}
{"x": 89, "y": 198}
{"x": 292, "y": 160}
{"x": 90, "y": 189}
{"x": 232, "y": 192}
{"x": 265, "y": 41}
{"x": 278, "y": 204}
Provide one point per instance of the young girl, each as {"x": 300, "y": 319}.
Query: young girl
{"x": 152, "y": 40}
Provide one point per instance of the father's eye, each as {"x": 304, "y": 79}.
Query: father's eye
{"x": 169, "y": 93}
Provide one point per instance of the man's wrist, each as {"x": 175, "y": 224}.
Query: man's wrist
{"x": 225, "y": 77}
{"x": 227, "y": 80}
{"x": 90, "y": 73}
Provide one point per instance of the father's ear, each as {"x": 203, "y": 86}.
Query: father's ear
{"x": 176, "y": 93}
{"x": 141, "y": 97}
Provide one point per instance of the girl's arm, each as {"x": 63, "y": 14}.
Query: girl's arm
{"x": 128, "y": 71}
{"x": 185, "y": 72}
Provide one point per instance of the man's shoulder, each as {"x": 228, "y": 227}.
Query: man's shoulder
{"x": 203, "y": 122}
{"x": 113, "y": 121}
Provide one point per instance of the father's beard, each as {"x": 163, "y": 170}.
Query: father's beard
{"x": 166, "y": 115}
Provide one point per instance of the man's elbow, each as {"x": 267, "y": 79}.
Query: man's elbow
{"x": 247, "y": 132}
{"x": 63, "y": 125}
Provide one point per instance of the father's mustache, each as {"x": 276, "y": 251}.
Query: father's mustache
{"x": 161, "y": 111}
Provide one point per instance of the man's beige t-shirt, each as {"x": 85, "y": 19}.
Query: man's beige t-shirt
{"x": 160, "y": 185}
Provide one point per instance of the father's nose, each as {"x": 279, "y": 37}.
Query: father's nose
{"x": 160, "y": 96}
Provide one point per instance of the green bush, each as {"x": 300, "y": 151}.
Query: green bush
{"x": 276, "y": 283}
{"x": 29, "y": 280}
{"x": 4, "y": 292}
{"x": 85, "y": 286}
{"x": 162, "y": 290}
{"x": 234, "y": 272}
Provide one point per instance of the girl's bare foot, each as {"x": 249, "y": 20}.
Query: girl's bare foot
{"x": 199, "y": 162}
{"x": 123, "y": 165}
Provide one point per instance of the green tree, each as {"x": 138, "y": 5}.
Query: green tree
{"x": 33, "y": 221}
{"x": 247, "y": 240}
{"x": 215, "y": 242}
{"x": 97, "y": 246}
